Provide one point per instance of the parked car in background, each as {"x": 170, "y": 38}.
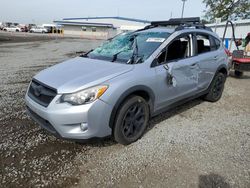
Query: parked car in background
{"x": 38, "y": 30}
{"x": 23, "y": 27}
{"x": 12, "y": 29}
{"x": 49, "y": 27}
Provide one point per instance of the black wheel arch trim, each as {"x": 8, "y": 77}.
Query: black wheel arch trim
{"x": 127, "y": 93}
{"x": 221, "y": 67}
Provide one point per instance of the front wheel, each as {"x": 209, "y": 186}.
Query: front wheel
{"x": 131, "y": 120}
{"x": 216, "y": 88}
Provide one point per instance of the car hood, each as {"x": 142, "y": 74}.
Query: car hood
{"x": 80, "y": 73}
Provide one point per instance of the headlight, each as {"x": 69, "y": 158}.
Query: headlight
{"x": 85, "y": 96}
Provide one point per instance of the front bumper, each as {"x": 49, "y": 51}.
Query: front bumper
{"x": 63, "y": 119}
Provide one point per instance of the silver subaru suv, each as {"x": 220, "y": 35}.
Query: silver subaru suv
{"x": 115, "y": 89}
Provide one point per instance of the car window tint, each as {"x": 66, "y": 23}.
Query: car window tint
{"x": 162, "y": 57}
{"x": 180, "y": 48}
{"x": 217, "y": 43}
{"x": 203, "y": 43}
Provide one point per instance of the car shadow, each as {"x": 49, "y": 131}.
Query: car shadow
{"x": 212, "y": 181}
{"x": 109, "y": 141}
{"x": 172, "y": 112}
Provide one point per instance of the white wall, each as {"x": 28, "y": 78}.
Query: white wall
{"x": 116, "y": 22}
{"x": 242, "y": 27}
{"x": 101, "y": 32}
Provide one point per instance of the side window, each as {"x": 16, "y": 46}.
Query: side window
{"x": 217, "y": 44}
{"x": 178, "y": 49}
{"x": 162, "y": 58}
{"x": 203, "y": 43}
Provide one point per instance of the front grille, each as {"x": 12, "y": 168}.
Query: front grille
{"x": 41, "y": 93}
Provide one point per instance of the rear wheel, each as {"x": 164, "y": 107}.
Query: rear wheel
{"x": 216, "y": 88}
{"x": 131, "y": 120}
{"x": 17, "y": 30}
{"x": 238, "y": 74}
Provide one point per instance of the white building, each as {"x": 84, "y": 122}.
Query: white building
{"x": 100, "y": 27}
{"x": 242, "y": 28}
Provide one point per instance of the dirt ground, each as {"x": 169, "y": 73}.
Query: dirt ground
{"x": 198, "y": 144}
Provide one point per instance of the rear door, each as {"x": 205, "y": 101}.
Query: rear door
{"x": 177, "y": 71}
{"x": 207, "y": 57}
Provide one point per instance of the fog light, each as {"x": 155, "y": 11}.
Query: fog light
{"x": 84, "y": 126}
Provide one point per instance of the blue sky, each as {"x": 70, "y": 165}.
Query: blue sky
{"x": 45, "y": 11}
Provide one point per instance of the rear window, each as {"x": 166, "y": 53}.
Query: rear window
{"x": 217, "y": 43}
{"x": 203, "y": 43}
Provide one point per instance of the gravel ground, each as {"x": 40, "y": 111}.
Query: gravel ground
{"x": 199, "y": 144}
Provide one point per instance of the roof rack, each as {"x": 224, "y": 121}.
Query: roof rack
{"x": 177, "y": 21}
{"x": 180, "y": 23}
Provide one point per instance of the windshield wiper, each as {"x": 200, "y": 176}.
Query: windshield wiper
{"x": 87, "y": 53}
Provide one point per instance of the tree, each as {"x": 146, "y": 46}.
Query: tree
{"x": 227, "y": 9}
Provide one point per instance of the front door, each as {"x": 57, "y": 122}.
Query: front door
{"x": 177, "y": 74}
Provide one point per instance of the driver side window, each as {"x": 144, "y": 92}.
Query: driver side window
{"x": 179, "y": 48}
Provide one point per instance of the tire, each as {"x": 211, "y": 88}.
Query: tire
{"x": 131, "y": 120}
{"x": 216, "y": 88}
{"x": 17, "y": 30}
{"x": 43, "y": 32}
{"x": 238, "y": 74}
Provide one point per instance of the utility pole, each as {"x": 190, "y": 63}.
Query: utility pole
{"x": 183, "y": 7}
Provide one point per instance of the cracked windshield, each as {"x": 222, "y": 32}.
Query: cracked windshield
{"x": 130, "y": 46}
